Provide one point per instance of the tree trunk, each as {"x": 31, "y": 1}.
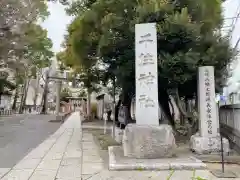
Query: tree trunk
{"x": 163, "y": 99}
{"x": 14, "y": 106}
{"x": 117, "y": 110}
{"x": 88, "y": 104}
{"x": 172, "y": 107}
{"x": 192, "y": 121}
{"x": 44, "y": 96}
{"x": 24, "y": 96}
{"x": 26, "y": 93}
{"x": 188, "y": 110}
{"x": 44, "y": 101}
{"x": 180, "y": 106}
{"x": 126, "y": 101}
{"x": 196, "y": 103}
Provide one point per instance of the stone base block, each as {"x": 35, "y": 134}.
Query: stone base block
{"x": 117, "y": 161}
{"x": 207, "y": 145}
{"x": 225, "y": 174}
{"x": 118, "y": 134}
{"x": 142, "y": 141}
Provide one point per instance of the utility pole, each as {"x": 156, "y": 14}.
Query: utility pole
{"x": 22, "y": 98}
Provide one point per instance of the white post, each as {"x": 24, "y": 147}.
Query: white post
{"x": 105, "y": 122}
{"x": 146, "y": 74}
{"x": 207, "y": 108}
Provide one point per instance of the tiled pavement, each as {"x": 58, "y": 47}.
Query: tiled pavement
{"x": 59, "y": 158}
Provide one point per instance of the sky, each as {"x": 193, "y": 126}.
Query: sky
{"x": 57, "y": 23}
{"x": 230, "y": 8}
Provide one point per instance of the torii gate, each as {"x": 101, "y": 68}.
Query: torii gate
{"x": 58, "y": 81}
{"x": 78, "y": 103}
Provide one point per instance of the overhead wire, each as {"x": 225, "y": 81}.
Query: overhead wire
{"x": 229, "y": 29}
{"x": 235, "y": 21}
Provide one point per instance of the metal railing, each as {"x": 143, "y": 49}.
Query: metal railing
{"x": 230, "y": 125}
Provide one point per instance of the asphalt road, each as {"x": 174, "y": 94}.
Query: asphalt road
{"x": 19, "y": 134}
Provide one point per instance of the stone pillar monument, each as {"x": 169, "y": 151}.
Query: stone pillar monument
{"x": 207, "y": 140}
{"x": 146, "y": 139}
{"x": 146, "y": 74}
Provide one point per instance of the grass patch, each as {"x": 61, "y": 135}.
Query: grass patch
{"x": 104, "y": 140}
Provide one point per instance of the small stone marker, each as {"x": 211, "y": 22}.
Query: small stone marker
{"x": 146, "y": 74}
{"x": 208, "y": 138}
{"x": 207, "y": 109}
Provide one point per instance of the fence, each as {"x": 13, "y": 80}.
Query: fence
{"x": 5, "y": 112}
{"x": 230, "y": 125}
{"x": 32, "y": 110}
{"x": 27, "y": 110}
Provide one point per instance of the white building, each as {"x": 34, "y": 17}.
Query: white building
{"x": 35, "y": 90}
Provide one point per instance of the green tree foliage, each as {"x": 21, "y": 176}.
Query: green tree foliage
{"x": 78, "y": 6}
{"x": 23, "y": 43}
{"x": 14, "y": 20}
{"x": 82, "y": 94}
{"x": 36, "y": 54}
{"x": 188, "y": 36}
{"x": 38, "y": 49}
{"x": 64, "y": 94}
{"x": 81, "y": 54}
{"x": 21, "y": 37}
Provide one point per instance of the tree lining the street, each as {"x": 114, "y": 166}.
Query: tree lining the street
{"x": 188, "y": 36}
{"x": 25, "y": 47}
{"x": 83, "y": 61}
{"x": 14, "y": 20}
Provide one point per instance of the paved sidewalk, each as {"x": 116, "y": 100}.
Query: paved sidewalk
{"x": 59, "y": 158}
{"x": 53, "y": 158}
